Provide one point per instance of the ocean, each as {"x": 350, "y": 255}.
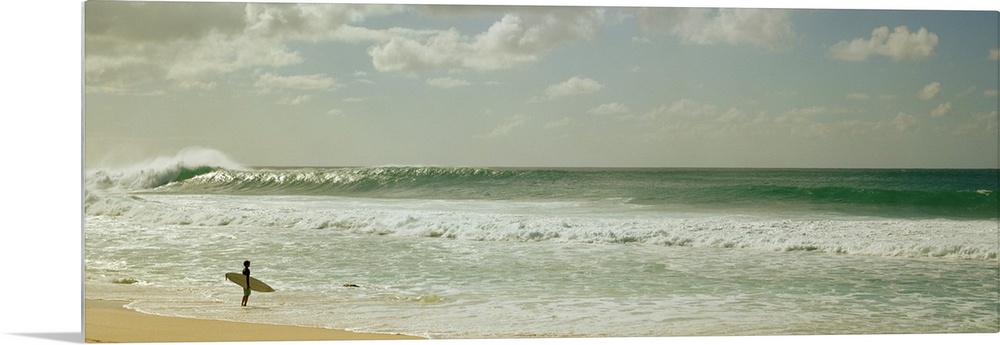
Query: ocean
{"x": 475, "y": 252}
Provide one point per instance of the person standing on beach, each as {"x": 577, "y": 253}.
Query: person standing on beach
{"x": 246, "y": 290}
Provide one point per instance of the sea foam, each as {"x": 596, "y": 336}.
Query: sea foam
{"x": 562, "y": 222}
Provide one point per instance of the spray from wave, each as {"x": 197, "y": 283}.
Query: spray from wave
{"x": 160, "y": 171}
{"x": 103, "y": 187}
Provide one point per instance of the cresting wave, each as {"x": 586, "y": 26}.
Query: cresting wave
{"x": 347, "y": 181}
{"x": 566, "y": 223}
{"x": 929, "y": 213}
{"x": 160, "y": 171}
{"x": 910, "y": 196}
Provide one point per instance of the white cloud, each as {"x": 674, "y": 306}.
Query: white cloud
{"x": 767, "y": 28}
{"x": 682, "y": 108}
{"x": 270, "y": 81}
{"x": 505, "y": 128}
{"x": 574, "y": 86}
{"x": 733, "y": 115}
{"x": 295, "y": 100}
{"x": 195, "y": 85}
{"x": 609, "y": 108}
{"x": 966, "y": 92}
{"x": 858, "y": 96}
{"x": 995, "y": 54}
{"x": 903, "y": 122}
{"x": 558, "y": 123}
{"x": 991, "y": 93}
{"x": 981, "y": 123}
{"x": 689, "y": 108}
{"x": 127, "y": 44}
{"x": 446, "y": 82}
{"x": 800, "y": 115}
{"x": 929, "y": 91}
{"x": 942, "y": 110}
{"x": 898, "y": 45}
{"x": 312, "y": 22}
{"x": 517, "y": 38}
{"x": 335, "y": 112}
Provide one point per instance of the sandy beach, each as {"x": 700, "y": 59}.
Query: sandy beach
{"x": 107, "y": 321}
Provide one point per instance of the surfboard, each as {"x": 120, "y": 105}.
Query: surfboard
{"x": 255, "y": 284}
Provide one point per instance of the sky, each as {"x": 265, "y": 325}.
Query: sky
{"x": 59, "y": 115}
{"x": 286, "y": 84}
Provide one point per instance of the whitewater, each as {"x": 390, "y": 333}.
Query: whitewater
{"x": 470, "y": 252}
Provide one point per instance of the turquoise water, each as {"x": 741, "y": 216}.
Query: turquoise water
{"x": 914, "y": 193}
{"x": 480, "y": 252}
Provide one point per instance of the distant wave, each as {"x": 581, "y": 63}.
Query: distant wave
{"x": 968, "y": 194}
{"x": 641, "y": 187}
{"x": 958, "y": 203}
{"x": 381, "y": 181}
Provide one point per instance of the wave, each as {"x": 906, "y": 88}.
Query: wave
{"x": 723, "y": 190}
{"x": 970, "y": 194}
{"x": 385, "y": 181}
{"x": 160, "y": 171}
{"x": 506, "y": 221}
{"x": 979, "y": 203}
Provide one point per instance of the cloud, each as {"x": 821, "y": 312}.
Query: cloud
{"x": 800, "y": 115}
{"x": 981, "y": 123}
{"x": 313, "y": 22}
{"x": 270, "y": 81}
{"x": 942, "y": 110}
{"x": 131, "y": 43}
{"x": 161, "y": 22}
{"x": 898, "y": 45}
{"x": 558, "y": 123}
{"x": 966, "y": 92}
{"x": 733, "y": 115}
{"x": 609, "y": 108}
{"x": 682, "y": 108}
{"x": 516, "y": 39}
{"x": 505, "y": 128}
{"x": 858, "y": 96}
{"x": 929, "y": 91}
{"x": 995, "y": 54}
{"x": 574, "y": 86}
{"x": 295, "y": 100}
{"x": 768, "y": 28}
{"x": 991, "y": 93}
{"x": 903, "y": 123}
{"x": 446, "y": 82}
{"x": 195, "y": 85}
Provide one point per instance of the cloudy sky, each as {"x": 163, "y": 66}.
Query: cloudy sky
{"x": 284, "y": 84}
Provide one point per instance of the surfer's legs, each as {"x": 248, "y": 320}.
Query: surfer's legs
{"x": 246, "y": 295}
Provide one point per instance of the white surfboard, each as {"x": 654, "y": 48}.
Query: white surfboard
{"x": 255, "y": 284}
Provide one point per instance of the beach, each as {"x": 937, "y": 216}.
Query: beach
{"x": 107, "y": 321}
{"x": 489, "y": 253}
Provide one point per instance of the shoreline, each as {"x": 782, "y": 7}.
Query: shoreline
{"x": 108, "y": 321}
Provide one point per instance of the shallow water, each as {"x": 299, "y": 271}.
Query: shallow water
{"x": 503, "y": 268}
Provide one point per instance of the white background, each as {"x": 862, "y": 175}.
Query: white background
{"x": 41, "y": 226}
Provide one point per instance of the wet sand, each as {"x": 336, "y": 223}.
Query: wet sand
{"x": 108, "y": 321}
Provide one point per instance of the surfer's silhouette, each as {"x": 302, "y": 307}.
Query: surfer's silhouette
{"x": 246, "y": 290}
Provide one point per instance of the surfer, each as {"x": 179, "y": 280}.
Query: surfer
{"x": 246, "y": 290}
